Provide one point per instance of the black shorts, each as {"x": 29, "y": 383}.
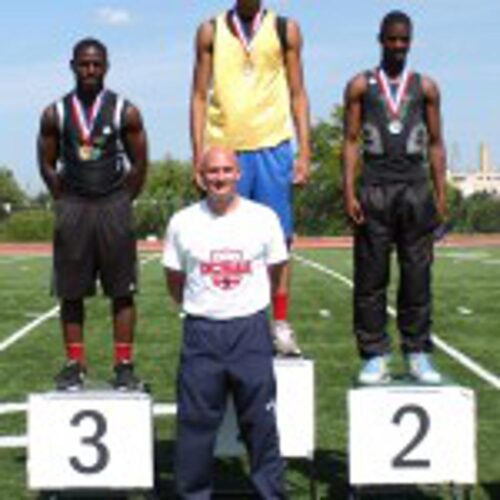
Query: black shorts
{"x": 94, "y": 240}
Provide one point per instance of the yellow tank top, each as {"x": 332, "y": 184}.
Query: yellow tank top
{"x": 249, "y": 102}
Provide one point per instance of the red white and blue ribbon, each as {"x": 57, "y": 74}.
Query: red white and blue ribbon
{"x": 393, "y": 104}
{"x": 86, "y": 121}
{"x": 245, "y": 40}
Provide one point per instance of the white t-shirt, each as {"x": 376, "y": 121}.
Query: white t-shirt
{"x": 225, "y": 257}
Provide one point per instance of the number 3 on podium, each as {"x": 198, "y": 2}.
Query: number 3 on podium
{"x": 90, "y": 440}
{"x": 94, "y": 440}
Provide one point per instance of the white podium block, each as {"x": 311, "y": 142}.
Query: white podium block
{"x": 90, "y": 440}
{"x": 412, "y": 435}
{"x": 294, "y": 412}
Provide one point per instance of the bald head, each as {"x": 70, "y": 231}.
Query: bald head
{"x": 220, "y": 174}
{"x": 218, "y": 156}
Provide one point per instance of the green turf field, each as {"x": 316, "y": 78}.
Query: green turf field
{"x": 466, "y": 298}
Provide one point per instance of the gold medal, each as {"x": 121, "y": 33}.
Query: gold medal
{"x": 85, "y": 152}
{"x": 85, "y": 123}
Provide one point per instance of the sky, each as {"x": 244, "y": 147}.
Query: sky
{"x": 150, "y": 43}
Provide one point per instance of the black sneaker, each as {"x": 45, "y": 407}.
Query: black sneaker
{"x": 125, "y": 379}
{"x": 71, "y": 377}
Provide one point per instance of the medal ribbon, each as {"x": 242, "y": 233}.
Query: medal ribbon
{"x": 246, "y": 41}
{"x": 393, "y": 105}
{"x": 84, "y": 121}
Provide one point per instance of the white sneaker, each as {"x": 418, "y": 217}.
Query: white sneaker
{"x": 284, "y": 340}
{"x": 421, "y": 369}
{"x": 374, "y": 371}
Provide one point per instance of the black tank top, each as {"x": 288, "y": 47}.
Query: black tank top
{"x": 99, "y": 169}
{"x": 394, "y": 155}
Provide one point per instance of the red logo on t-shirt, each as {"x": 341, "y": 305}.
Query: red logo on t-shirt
{"x": 226, "y": 268}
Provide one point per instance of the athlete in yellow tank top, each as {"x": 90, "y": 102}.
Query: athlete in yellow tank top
{"x": 250, "y": 104}
{"x": 248, "y": 94}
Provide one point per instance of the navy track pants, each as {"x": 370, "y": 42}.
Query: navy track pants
{"x": 220, "y": 358}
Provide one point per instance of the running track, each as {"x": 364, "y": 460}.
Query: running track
{"x": 453, "y": 241}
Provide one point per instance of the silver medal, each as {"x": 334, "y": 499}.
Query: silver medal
{"x": 394, "y": 104}
{"x": 395, "y": 127}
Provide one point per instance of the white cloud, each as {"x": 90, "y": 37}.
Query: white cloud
{"x": 114, "y": 17}
{"x": 279, "y": 3}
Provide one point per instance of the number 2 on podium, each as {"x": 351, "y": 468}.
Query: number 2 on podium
{"x": 401, "y": 460}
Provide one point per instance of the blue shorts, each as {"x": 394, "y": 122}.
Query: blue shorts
{"x": 267, "y": 177}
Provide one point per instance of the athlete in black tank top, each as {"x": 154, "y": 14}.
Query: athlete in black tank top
{"x": 85, "y": 139}
{"x": 92, "y": 166}
{"x": 396, "y": 114}
{"x": 393, "y": 148}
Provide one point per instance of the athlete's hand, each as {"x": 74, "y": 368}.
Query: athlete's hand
{"x": 132, "y": 183}
{"x": 197, "y": 178}
{"x": 354, "y": 210}
{"x": 301, "y": 172}
{"x": 55, "y": 186}
{"x": 442, "y": 208}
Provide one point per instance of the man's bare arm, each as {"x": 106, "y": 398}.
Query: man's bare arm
{"x": 299, "y": 101}
{"x": 175, "y": 284}
{"x": 436, "y": 148}
{"x": 350, "y": 146}
{"x": 202, "y": 77}
{"x": 48, "y": 151}
{"x": 136, "y": 147}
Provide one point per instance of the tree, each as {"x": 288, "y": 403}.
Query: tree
{"x": 18, "y": 220}
{"x": 169, "y": 187}
{"x": 319, "y": 205}
{"x": 482, "y": 213}
{"x": 11, "y": 195}
{"x": 30, "y": 224}
{"x": 456, "y": 208}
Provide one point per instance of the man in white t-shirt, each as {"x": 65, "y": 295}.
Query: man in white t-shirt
{"x": 223, "y": 257}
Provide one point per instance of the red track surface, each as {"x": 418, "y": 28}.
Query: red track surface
{"x": 460, "y": 241}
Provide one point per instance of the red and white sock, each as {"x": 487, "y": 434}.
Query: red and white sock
{"x": 75, "y": 351}
{"x": 123, "y": 352}
{"x": 280, "y": 307}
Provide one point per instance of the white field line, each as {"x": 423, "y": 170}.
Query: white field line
{"x": 10, "y": 259}
{"x": 16, "y": 336}
{"x": 159, "y": 410}
{"x": 19, "y": 334}
{"x": 9, "y": 408}
{"x": 149, "y": 258}
{"x": 14, "y": 441}
{"x": 453, "y": 353}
